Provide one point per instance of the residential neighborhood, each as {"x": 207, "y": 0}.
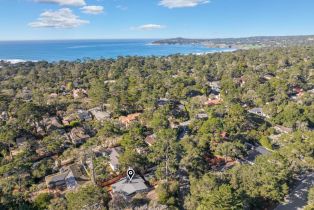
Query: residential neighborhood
{"x": 186, "y": 137}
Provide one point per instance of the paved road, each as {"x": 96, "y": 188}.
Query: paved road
{"x": 297, "y": 199}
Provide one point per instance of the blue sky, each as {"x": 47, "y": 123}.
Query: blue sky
{"x": 97, "y": 19}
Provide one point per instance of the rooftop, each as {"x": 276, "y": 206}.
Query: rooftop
{"x": 125, "y": 187}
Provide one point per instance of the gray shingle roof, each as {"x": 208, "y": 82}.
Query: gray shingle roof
{"x": 128, "y": 188}
{"x": 114, "y": 156}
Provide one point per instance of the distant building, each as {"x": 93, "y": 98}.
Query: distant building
{"x": 84, "y": 115}
{"x": 48, "y": 125}
{"x": 201, "y": 116}
{"x": 214, "y": 100}
{"x": 109, "y": 82}
{"x": 114, "y": 154}
{"x": 4, "y": 116}
{"x": 79, "y": 93}
{"x": 282, "y": 129}
{"x": 56, "y": 180}
{"x": 163, "y": 101}
{"x": 127, "y": 188}
{"x": 99, "y": 114}
{"x": 258, "y": 111}
{"x": 215, "y": 86}
{"x": 255, "y": 152}
{"x": 268, "y": 76}
{"x": 70, "y": 177}
{"x": 22, "y": 141}
{"x": 69, "y": 118}
{"x": 127, "y": 120}
{"x": 78, "y": 135}
{"x": 150, "y": 140}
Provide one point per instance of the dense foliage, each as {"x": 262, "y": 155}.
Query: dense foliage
{"x": 277, "y": 80}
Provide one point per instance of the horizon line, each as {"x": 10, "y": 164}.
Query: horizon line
{"x": 86, "y": 39}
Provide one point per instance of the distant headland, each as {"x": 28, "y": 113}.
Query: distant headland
{"x": 243, "y": 43}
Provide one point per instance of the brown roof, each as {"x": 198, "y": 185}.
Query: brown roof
{"x": 128, "y": 119}
{"x": 151, "y": 139}
{"x": 212, "y": 102}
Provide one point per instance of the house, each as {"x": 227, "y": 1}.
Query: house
{"x": 162, "y": 101}
{"x": 150, "y": 140}
{"x": 213, "y": 100}
{"x": 68, "y": 119}
{"x": 56, "y": 180}
{"x": 48, "y": 125}
{"x": 70, "y": 177}
{"x": 215, "y": 86}
{"x": 4, "y": 116}
{"x": 297, "y": 90}
{"x": 79, "y": 93}
{"x": 84, "y": 115}
{"x": 109, "y": 82}
{"x": 255, "y": 152}
{"x": 99, "y": 114}
{"x": 23, "y": 140}
{"x": 268, "y": 76}
{"x": 282, "y": 129}
{"x": 114, "y": 154}
{"x": 219, "y": 163}
{"x": 201, "y": 116}
{"x": 127, "y": 120}
{"x": 78, "y": 135}
{"x": 76, "y": 176}
{"x": 53, "y": 123}
{"x": 129, "y": 188}
{"x": 183, "y": 129}
{"x": 258, "y": 111}
{"x": 275, "y": 138}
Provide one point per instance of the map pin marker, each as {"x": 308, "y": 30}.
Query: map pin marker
{"x": 130, "y": 174}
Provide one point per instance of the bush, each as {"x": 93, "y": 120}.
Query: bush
{"x": 74, "y": 123}
{"x": 42, "y": 201}
{"x": 265, "y": 142}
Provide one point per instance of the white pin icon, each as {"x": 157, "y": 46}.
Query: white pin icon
{"x": 130, "y": 174}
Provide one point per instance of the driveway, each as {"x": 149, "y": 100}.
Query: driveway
{"x": 297, "y": 199}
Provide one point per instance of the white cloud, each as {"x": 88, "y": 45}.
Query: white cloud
{"x": 94, "y": 10}
{"x": 62, "y": 18}
{"x": 76, "y": 3}
{"x": 182, "y": 3}
{"x": 121, "y": 7}
{"x": 148, "y": 27}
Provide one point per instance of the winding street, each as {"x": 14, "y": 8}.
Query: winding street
{"x": 297, "y": 199}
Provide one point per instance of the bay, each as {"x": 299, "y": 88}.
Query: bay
{"x": 71, "y": 50}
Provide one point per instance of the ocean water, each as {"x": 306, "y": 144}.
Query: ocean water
{"x": 70, "y": 50}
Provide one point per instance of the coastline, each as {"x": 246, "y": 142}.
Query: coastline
{"x": 216, "y": 50}
{"x": 147, "y": 50}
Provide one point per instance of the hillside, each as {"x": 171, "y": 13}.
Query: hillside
{"x": 245, "y": 43}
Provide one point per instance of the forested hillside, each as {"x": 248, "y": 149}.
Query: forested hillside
{"x": 226, "y": 130}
